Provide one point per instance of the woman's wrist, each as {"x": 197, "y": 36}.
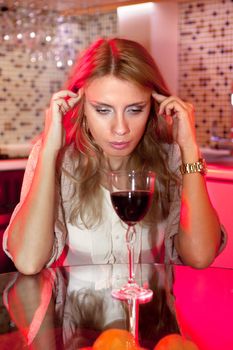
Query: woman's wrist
{"x": 48, "y": 153}
{"x": 190, "y": 154}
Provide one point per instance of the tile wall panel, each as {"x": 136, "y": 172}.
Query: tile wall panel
{"x": 206, "y": 64}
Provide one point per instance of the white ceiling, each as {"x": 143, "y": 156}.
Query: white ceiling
{"x": 80, "y": 4}
{"x": 68, "y": 5}
{"x": 61, "y": 4}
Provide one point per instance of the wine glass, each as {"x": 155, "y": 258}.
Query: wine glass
{"x": 131, "y": 195}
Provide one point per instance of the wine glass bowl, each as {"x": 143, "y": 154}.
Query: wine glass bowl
{"x": 131, "y": 196}
{"x": 131, "y": 206}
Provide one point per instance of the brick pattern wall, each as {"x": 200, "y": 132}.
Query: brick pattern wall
{"x": 206, "y": 64}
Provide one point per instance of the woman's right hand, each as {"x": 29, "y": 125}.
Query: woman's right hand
{"x": 54, "y": 133}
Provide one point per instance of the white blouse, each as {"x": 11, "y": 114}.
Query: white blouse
{"x": 106, "y": 243}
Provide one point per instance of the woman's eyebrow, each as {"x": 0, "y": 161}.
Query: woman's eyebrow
{"x": 100, "y": 103}
{"x": 140, "y": 103}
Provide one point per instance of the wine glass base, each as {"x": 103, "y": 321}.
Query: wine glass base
{"x": 133, "y": 291}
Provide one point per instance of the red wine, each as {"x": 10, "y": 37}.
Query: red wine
{"x": 131, "y": 206}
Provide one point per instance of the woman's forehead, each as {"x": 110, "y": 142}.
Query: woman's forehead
{"x": 112, "y": 86}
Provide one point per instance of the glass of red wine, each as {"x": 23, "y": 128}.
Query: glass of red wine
{"x": 131, "y": 195}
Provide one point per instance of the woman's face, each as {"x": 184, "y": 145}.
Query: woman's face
{"x": 116, "y": 112}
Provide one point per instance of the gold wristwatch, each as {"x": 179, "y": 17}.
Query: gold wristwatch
{"x": 196, "y": 167}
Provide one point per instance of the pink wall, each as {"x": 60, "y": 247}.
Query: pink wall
{"x": 164, "y": 41}
{"x": 154, "y": 25}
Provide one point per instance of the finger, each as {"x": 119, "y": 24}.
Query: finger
{"x": 158, "y": 97}
{"x": 170, "y": 109}
{"x": 168, "y": 104}
{"x": 65, "y": 104}
{"x": 60, "y": 106}
{"x": 63, "y": 109}
{"x": 172, "y": 105}
{"x": 72, "y": 101}
{"x": 64, "y": 93}
{"x": 59, "y": 102}
{"x": 70, "y": 98}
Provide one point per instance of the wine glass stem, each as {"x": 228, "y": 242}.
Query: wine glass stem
{"x": 130, "y": 239}
{"x": 133, "y": 306}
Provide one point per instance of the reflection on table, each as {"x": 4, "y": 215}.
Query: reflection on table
{"x": 68, "y": 308}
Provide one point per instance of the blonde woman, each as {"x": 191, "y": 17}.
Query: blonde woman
{"x": 115, "y": 113}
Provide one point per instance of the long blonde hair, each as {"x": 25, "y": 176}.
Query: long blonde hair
{"x": 127, "y": 60}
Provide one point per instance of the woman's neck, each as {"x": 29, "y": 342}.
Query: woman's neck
{"x": 116, "y": 163}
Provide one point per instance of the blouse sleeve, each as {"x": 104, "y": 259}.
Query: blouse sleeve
{"x": 173, "y": 219}
{"x": 60, "y": 227}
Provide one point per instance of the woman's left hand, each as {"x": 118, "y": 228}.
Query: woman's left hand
{"x": 181, "y": 115}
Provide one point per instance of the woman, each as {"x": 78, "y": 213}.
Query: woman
{"x": 117, "y": 114}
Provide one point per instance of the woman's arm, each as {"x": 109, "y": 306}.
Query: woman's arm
{"x": 31, "y": 232}
{"x": 31, "y": 306}
{"x": 199, "y": 234}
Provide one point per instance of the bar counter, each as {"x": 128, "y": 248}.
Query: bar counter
{"x": 70, "y": 307}
{"x": 219, "y": 181}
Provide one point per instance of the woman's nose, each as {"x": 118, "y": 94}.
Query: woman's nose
{"x": 120, "y": 126}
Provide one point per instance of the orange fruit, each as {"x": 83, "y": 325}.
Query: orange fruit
{"x": 175, "y": 342}
{"x": 115, "y": 339}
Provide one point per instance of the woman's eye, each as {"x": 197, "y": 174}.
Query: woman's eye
{"x": 102, "y": 110}
{"x": 135, "y": 110}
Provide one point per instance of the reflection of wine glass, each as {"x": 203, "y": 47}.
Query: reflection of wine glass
{"x": 131, "y": 196}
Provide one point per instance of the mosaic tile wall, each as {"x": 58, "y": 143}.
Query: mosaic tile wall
{"x": 206, "y": 64}
{"x": 26, "y": 87}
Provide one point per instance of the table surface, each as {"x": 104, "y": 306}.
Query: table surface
{"x": 69, "y": 307}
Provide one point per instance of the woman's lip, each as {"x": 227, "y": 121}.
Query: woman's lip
{"x": 119, "y": 145}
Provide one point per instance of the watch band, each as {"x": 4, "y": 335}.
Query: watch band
{"x": 196, "y": 167}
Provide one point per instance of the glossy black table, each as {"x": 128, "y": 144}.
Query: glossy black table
{"x": 69, "y": 307}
